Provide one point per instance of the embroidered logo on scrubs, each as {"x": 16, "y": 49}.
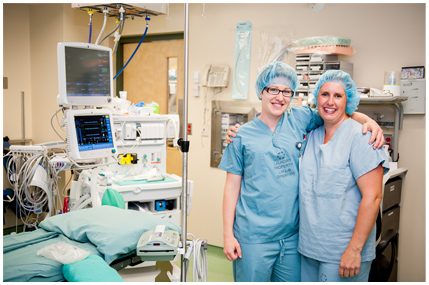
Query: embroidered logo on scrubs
{"x": 323, "y": 278}
{"x": 281, "y": 155}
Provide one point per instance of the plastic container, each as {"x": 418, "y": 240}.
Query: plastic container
{"x": 392, "y": 83}
{"x": 392, "y": 77}
{"x": 123, "y": 95}
{"x": 155, "y": 107}
{"x": 328, "y": 49}
{"x": 324, "y": 40}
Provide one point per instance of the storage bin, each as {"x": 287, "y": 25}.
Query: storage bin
{"x": 392, "y": 193}
{"x": 390, "y": 220}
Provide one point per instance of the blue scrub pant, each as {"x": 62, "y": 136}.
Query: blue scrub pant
{"x": 277, "y": 261}
{"x": 317, "y": 271}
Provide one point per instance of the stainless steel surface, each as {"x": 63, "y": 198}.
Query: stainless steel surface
{"x": 23, "y": 114}
{"x": 248, "y": 109}
{"x": 395, "y": 104}
{"x": 185, "y": 154}
{"x": 132, "y": 10}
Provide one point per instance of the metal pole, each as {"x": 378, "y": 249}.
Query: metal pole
{"x": 23, "y": 115}
{"x": 396, "y": 136}
{"x": 185, "y": 154}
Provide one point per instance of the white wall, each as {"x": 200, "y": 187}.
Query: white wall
{"x": 380, "y": 39}
{"x": 60, "y": 24}
{"x": 17, "y": 68}
{"x": 381, "y": 42}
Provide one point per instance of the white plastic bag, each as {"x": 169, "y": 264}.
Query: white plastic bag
{"x": 243, "y": 42}
{"x": 63, "y": 252}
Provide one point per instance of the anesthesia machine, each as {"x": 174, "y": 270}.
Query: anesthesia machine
{"x": 109, "y": 153}
{"x": 117, "y": 157}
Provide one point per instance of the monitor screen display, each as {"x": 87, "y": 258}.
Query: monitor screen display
{"x": 87, "y": 72}
{"x": 93, "y": 132}
{"x": 84, "y": 75}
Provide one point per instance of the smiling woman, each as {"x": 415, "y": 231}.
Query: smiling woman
{"x": 336, "y": 99}
{"x": 348, "y": 88}
{"x": 272, "y": 79}
{"x": 340, "y": 188}
{"x": 260, "y": 206}
{"x": 260, "y": 195}
{"x": 274, "y": 103}
{"x": 331, "y": 104}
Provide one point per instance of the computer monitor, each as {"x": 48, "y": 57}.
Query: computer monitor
{"x": 90, "y": 134}
{"x": 84, "y": 75}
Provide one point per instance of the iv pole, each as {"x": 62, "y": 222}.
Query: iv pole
{"x": 185, "y": 147}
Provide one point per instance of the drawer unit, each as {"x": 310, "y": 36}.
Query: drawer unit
{"x": 310, "y": 66}
{"x": 387, "y": 255}
{"x": 390, "y": 220}
{"x": 392, "y": 193}
{"x": 394, "y": 274}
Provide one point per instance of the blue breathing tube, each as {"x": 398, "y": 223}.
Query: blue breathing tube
{"x": 141, "y": 40}
{"x": 90, "y": 32}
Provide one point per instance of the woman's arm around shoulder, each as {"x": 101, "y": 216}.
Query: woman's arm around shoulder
{"x": 369, "y": 124}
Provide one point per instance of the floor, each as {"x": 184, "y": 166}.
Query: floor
{"x": 147, "y": 272}
{"x": 219, "y": 269}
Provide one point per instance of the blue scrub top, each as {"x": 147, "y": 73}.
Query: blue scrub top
{"x": 329, "y": 196}
{"x": 267, "y": 208}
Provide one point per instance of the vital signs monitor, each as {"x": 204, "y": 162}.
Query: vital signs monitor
{"x": 90, "y": 133}
{"x": 84, "y": 75}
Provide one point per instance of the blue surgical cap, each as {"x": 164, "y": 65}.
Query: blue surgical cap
{"x": 276, "y": 73}
{"x": 344, "y": 79}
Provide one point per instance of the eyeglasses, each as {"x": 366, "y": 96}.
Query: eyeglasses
{"x": 275, "y": 91}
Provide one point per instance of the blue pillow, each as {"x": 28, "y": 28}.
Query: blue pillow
{"x": 91, "y": 269}
{"x": 112, "y": 230}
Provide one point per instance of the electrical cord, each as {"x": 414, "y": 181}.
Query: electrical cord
{"x": 176, "y": 131}
{"x": 200, "y": 266}
{"x": 52, "y": 125}
{"x": 76, "y": 164}
{"x": 55, "y": 175}
{"x": 64, "y": 193}
{"x": 58, "y": 122}
{"x": 10, "y": 170}
{"x": 206, "y": 110}
{"x": 29, "y": 199}
{"x": 35, "y": 184}
{"x": 32, "y": 198}
{"x": 136, "y": 141}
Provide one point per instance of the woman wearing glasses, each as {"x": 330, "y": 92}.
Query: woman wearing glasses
{"x": 260, "y": 205}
